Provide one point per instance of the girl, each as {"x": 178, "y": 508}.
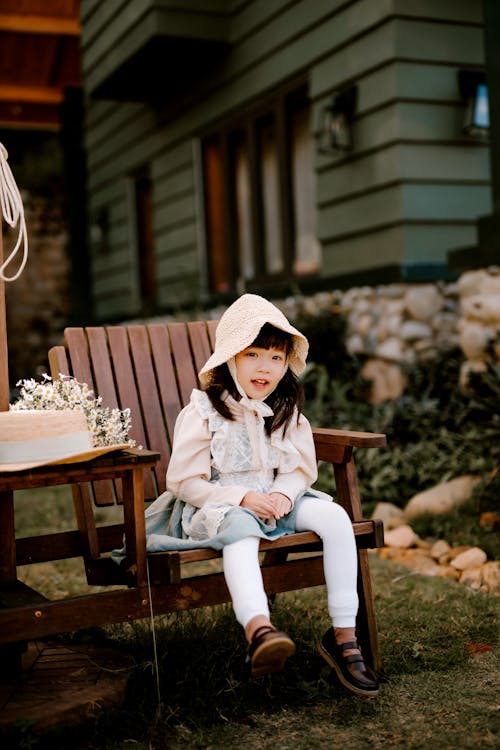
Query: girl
{"x": 241, "y": 469}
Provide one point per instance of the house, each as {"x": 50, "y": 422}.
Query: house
{"x": 219, "y": 153}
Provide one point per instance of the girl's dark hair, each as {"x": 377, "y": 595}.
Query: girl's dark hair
{"x": 288, "y": 394}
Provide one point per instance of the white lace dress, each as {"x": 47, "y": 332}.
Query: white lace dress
{"x": 215, "y": 461}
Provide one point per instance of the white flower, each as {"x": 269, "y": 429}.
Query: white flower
{"x": 107, "y": 426}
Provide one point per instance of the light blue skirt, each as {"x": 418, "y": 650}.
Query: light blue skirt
{"x": 164, "y": 525}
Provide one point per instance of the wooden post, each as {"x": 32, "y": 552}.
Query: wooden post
{"x": 11, "y": 655}
{"x": 4, "y": 364}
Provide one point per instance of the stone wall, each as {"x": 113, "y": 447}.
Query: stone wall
{"x": 38, "y": 303}
{"x": 394, "y": 326}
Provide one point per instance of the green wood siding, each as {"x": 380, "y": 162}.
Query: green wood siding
{"x": 410, "y": 191}
{"x": 411, "y": 163}
{"x": 114, "y": 30}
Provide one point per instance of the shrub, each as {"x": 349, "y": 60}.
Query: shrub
{"x": 435, "y": 431}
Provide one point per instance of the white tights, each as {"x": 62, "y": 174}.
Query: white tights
{"x": 332, "y": 524}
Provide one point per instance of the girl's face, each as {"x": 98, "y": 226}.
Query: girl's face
{"x": 260, "y": 370}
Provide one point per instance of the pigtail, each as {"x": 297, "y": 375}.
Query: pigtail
{"x": 287, "y": 399}
{"x": 221, "y": 381}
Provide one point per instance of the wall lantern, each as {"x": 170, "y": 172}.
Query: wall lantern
{"x": 99, "y": 232}
{"x": 474, "y": 92}
{"x": 335, "y": 126}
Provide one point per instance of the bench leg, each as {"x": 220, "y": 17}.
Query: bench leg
{"x": 11, "y": 654}
{"x": 348, "y": 496}
{"x": 11, "y": 660}
{"x": 135, "y": 527}
{"x": 366, "y": 624}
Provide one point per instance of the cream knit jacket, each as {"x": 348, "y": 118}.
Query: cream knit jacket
{"x": 200, "y": 463}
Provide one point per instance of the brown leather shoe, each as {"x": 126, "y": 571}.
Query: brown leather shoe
{"x": 268, "y": 650}
{"x": 351, "y": 670}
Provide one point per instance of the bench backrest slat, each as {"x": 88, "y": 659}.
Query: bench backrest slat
{"x": 165, "y": 373}
{"x": 125, "y": 380}
{"x": 147, "y": 387}
{"x": 183, "y": 360}
{"x": 79, "y": 356}
{"x": 212, "y": 326}
{"x": 200, "y": 343}
{"x": 101, "y": 366}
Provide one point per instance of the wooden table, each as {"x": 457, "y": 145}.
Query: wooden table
{"x": 25, "y": 613}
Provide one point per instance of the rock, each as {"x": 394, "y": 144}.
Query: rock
{"x": 448, "y": 571}
{"x": 390, "y": 515}
{"x": 478, "y": 282}
{"x": 423, "y": 545}
{"x": 442, "y": 498}
{"x": 472, "y": 577}
{"x": 423, "y": 302}
{"x": 471, "y": 282}
{"x": 390, "y": 325}
{"x": 471, "y": 558}
{"x": 388, "y": 553}
{"x": 355, "y": 344}
{"x": 363, "y": 324}
{"x": 474, "y": 339}
{"x": 391, "y": 348}
{"x": 455, "y": 551}
{"x": 391, "y": 291}
{"x": 439, "y": 549}
{"x": 445, "y": 559}
{"x": 483, "y": 307}
{"x": 388, "y": 381}
{"x": 412, "y": 330}
{"x": 402, "y": 536}
{"x": 490, "y": 572}
{"x": 418, "y": 560}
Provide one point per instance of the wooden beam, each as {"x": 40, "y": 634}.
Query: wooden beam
{"x": 31, "y": 24}
{"x": 39, "y": 94}
{"x": 53, "y": 126}
{"x": 4, "y": 357}
{"x": 30, "y": 115}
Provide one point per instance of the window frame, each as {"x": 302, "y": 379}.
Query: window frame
{"x": 279, "y": 106}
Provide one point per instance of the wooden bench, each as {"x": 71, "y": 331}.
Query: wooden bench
{"x": 152, "y": 370}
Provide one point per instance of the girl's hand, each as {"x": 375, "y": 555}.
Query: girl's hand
{"x": 282, "y": 504}
{"x": 261, "y": 503}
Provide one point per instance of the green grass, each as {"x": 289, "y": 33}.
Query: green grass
{"x": 439, "y": 675}
{"x": 438, "y": 678}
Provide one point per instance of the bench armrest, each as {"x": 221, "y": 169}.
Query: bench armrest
{"x": 337, "y": 445}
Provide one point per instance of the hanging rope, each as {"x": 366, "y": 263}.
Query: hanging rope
{"x": 11, "y": 208}
{"x": 155, "y": 652}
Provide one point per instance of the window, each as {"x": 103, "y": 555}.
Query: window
{"x": 259, "y": 193}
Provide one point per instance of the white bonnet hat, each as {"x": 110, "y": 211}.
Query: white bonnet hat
{"x": 239, "y": 327}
